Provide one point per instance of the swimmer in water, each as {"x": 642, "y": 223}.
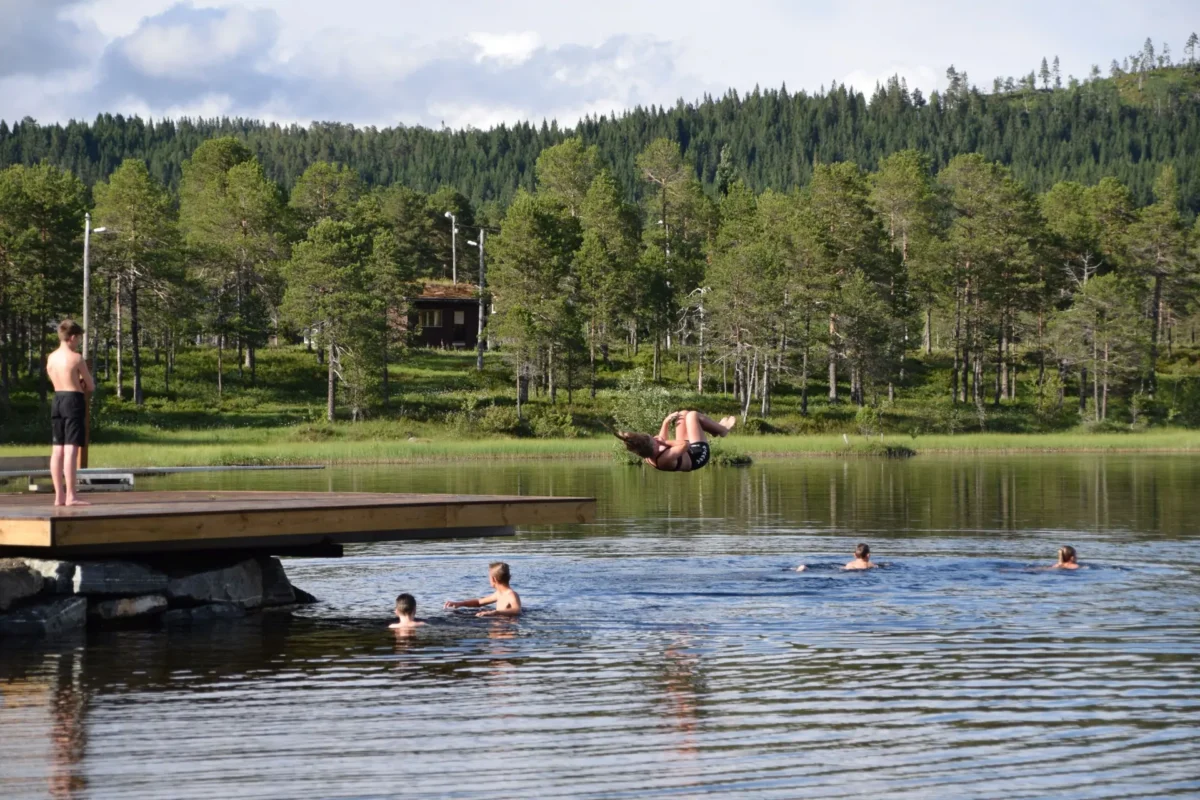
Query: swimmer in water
{"x": 862, "y": 558}
{"x": 688, "y": 451}
{"x": 1066, "y": 558}
{"x": 406, "y": 614}
{"x": 507, "y": 602}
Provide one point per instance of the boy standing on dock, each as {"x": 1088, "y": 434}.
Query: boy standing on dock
{"x": 508, "y": 604}
{"x": 69, "y": 373}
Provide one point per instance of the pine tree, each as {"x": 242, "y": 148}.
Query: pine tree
{"x": 142, "y": 245}
{"x": 1044, "y": 74}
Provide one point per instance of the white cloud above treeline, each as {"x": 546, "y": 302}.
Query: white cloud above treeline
{"x": 478, "y": 63}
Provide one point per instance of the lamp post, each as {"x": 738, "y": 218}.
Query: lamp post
{"x": 87, "y": 278}
{"x": 482, "y": 300}
{"x": 453, "y": 247}
{"x": 87, "y": 293}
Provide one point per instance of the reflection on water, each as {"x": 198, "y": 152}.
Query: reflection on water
{"x": 671, "y": 650}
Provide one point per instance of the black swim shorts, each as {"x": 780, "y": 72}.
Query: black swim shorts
{"x": 699, "y": 451}
{"x": 68, "y": 419}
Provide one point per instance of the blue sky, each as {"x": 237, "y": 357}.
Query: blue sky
{"x": 468, "y": 63}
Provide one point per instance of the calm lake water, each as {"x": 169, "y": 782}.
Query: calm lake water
{"x": 670, "y": 650}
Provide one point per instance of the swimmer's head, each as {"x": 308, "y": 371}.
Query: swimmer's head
{"x": 863, "y": 552}
{"x": 641, "y": 444}
{"x": 1066, "y": 554}
{"x": 499, "y": 573}
{"x": 406, "y": 605}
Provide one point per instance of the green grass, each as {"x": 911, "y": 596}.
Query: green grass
{"x": 228, "y": 451}
{"x": 442, "y": 409}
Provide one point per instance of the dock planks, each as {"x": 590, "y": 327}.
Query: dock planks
{"x": 155, "y": 522}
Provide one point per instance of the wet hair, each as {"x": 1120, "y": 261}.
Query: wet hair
{"x": 863, "y": 551}
{"x": 68, "y": 328}
{"x": 500, "y": 572}
{"x": 1066, "y": 554}
{"x": 640, "y": 443}
{"x": 406, "y": 605}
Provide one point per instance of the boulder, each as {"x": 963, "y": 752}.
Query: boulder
{"x": 127, "y": 607}
{"x": 277, "y": 589}
{"x": 45, "y": 619}
{"x": 240, "y": 583}
{"x": 303, "y": 597}
{"x": 59, "y": 575}
{"x": 201, "y": 614}
{"x": 121, "y": 578}
{"x": 17, "y": 582}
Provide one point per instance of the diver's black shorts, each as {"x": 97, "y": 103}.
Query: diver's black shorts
{"x": 68, "y": 419}
{"x": 699, "y": 452}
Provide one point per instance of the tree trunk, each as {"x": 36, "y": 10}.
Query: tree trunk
{"x": 804, "y": 372}
{"x": 1083, "y": 374}
{"x": 1104, "y": 396}
{"x": 927, "y": 339}
{"x": 120, "y": 346}
{"x": 330, "y": 385}
{"x": 384, "y": 352}
{"x": 135, "y": 333}
{"x": 1095, "y": 385}
{"x": 832, "y": 358}
{"x": 220, "y": 364}
{"x": 1155, "y": 319}
{"x": 550, "y": 384}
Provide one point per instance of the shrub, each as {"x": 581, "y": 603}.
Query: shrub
{"x": 550, "y": 424}
{"x": 868, "y": 420}
{"x": 757, "y": 426}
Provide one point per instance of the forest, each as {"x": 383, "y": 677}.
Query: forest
{"x": 769, "y": 243}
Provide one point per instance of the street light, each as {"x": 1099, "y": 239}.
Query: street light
{"x": 479, "y": 340}
{"x": 87, "y": 276}
{"x": 453, "y": 247}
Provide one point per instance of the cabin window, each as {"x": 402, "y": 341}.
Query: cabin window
{"x": 460, "y": 318}
{"x": 430, "y": 317}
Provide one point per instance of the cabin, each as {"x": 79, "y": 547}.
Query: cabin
{"x": 446, "y": 316}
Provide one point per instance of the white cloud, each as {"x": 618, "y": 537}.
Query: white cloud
{"x": 382, "y": 62}
{"x": 507, "y": 48}
{"x": 164, "y": 50}
{"x": 917, "y": 76}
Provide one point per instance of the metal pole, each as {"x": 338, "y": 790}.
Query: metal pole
{"x": 87, "y": 291}
{"x": 87, "y": 280}
{"x": 453, "y": 249}
{"x": 479, "y": 343}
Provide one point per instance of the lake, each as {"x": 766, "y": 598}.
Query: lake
{"x": 671, "y": 650}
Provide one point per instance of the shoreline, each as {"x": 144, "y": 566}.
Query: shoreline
{"x": 174, "y": 451}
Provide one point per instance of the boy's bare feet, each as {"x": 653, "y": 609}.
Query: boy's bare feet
{"x": 75, "y": 501}
{"x": 728, "y": 422}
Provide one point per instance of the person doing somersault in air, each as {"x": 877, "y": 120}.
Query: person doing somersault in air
{"x": 688, "y": 451}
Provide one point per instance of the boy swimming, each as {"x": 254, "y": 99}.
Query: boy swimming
{"x": 406, "y": 613}
{"x": 68, "y": 372}
{"x": 862, "y": 558}
{"x": 507, "y": 602}
{"x": 1066, "y": 558}
{"x": 688, "y": 451}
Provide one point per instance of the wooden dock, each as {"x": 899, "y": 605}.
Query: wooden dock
{"x": 283, "y": 523}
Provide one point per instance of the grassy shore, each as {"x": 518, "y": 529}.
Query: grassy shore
{"x": 223, "y": 450}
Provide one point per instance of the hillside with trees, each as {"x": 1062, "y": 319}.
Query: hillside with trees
{"x": 1028, "y": 250}
{"x": 1144, "y": 112}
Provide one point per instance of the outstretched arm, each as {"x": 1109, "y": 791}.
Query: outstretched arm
{"x": 482, "y": 601}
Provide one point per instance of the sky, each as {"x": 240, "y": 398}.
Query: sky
{"x": 479, "y": 64}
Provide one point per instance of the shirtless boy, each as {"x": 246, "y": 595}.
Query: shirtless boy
{"x": 406, "y": 614}
{"x": 68, "y": 415}
{"x": 507, "y": 603}
{"x": 862, "y": 558}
